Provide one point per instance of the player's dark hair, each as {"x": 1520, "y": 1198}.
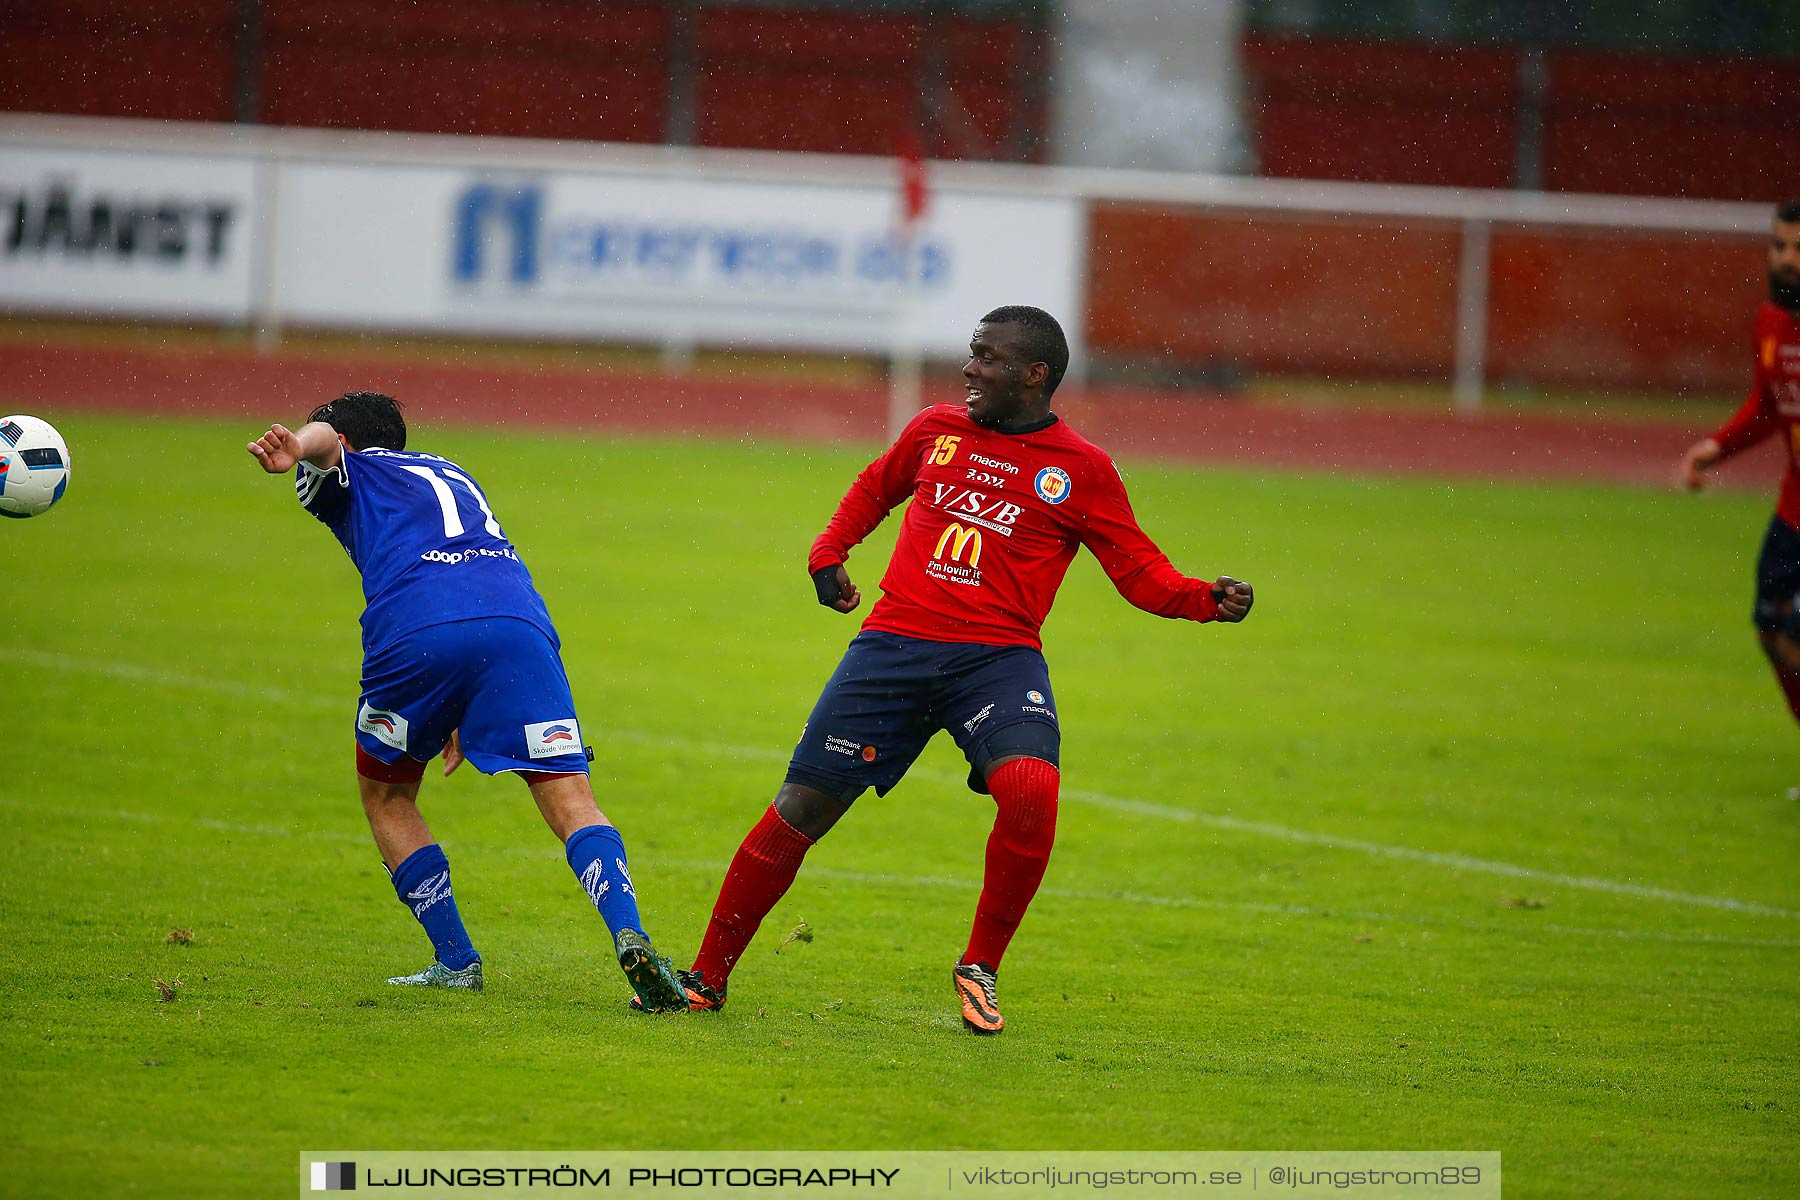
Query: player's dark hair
{"x": 366, "y": 419}
{"x": 1788, "y": 211}
{"x": 1044, "y": 340}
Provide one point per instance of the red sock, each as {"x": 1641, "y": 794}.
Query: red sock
{"x": 1790, "y": 687}
{"x": 1017, "y": 852}
{"x": 760, "y": 874}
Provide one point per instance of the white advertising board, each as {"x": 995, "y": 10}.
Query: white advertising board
{"x": 662, "y": 257}
{"x": 125, "y": 233}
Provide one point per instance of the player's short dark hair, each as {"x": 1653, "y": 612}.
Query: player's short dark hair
{"x": 1788, "y": 211}
{"x": 1044, "y": 340}
{"x": 366, "y": 419}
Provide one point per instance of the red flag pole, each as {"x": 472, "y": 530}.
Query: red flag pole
{"x": 905, "y": 362}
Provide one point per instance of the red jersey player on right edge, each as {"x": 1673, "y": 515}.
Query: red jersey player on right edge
{"x": 1003, "y": 494}
{"x": 1773, "y": 407}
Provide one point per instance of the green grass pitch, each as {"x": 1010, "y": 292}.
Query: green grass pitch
{"x": 1474, "y": 836}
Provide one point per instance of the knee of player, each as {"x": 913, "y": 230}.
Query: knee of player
{"x": 1781, "y": 647}
{"x": 1025, "y": 791}
{"x": 810, "y": 811}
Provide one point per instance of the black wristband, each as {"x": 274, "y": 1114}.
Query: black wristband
{"x": 825, "y": 580}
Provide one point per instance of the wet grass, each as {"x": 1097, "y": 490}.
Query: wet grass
{"x": 1474, "y": 836}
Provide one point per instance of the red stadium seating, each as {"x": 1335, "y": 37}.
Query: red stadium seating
{"x": 1650, "y": 126}
{"x": 172, "y": 60}
{"x": 791, "y": 80}
{"x": 1451, "y": 115}
{"x": 505, "y": 67}
{"x": 1382, "y": 113}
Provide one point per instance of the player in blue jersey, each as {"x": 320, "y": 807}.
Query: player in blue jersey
{"x": 459, "y": 658}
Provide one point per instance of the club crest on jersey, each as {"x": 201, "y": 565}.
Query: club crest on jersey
{"x": 388, "y": 728}
{"x": 1052, "y": 484}
{"x": 1035, "y": 696}
{"x": 548, "y": 739}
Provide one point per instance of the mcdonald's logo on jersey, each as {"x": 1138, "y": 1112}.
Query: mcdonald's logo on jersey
{"x": 959, "y": 538}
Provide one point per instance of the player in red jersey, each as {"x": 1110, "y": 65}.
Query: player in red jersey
{"x": 1773, "y": 407}
{"x": 1003, "y": 494}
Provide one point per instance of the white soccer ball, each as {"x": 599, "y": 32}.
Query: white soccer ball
{"x": 34, "y": 466}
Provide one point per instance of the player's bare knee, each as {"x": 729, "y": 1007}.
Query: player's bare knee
{"x": 810, "y": 811}
{"x": 379, "y": 795}
{"x": 1782, "y": 649}
{"x": 566, "y": 801}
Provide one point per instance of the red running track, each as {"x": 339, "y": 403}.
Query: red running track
{"x": 47, "y": 379}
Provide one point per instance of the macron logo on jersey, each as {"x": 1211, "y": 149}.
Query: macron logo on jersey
{"x": 387, "y": 727}
{"x": 551, "y": 738}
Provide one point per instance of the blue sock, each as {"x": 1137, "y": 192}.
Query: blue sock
{"x": 597, "y": 856}
{"x": 423, "y": 884}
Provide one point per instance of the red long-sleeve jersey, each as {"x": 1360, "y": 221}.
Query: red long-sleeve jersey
{"x": 1774, "y": 403}
{"x": 995, "y": 521}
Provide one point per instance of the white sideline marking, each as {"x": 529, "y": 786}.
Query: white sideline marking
{"x": 120, "y": 670}
{"x": 244, "y": 828}
{"x": 1287, "y": 833}
{"x": 914, "y": 882}
{"x": 1284, "y": 910}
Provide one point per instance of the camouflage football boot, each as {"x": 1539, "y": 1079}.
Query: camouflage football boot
{"x": 439, "y": 976}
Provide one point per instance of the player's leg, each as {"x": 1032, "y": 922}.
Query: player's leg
{"x": 596, "y": 853}
{"x": 1011, "y": 739}
{"x": 865, "y": 731}
{"x": 1777, "y": 612}
{"x": 407, "y": 710}
{"x": 760, "y": 874}
{"x": 520, "y": 717}
{"x": 418, "y": 868}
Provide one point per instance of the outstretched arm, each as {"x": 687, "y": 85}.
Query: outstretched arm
{"x": 1143, "y": 573}
{"x": 1700, "y": 456}
{"x": 1756, "y": 419}
{"x": 878, "y": 490}
{"x": 281, "y": 449}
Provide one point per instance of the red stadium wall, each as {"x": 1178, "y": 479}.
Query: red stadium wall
{"x": 1356, "y": 296}
{"x": 1605, "y": 307}
{"x": 1301, "y": 294}
{"x": 1610, "y": 123}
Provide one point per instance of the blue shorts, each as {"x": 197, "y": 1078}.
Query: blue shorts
{"x": 1778, "y": 581}
{"x": 890, "y": 694}
{"x": 497, "y": 679}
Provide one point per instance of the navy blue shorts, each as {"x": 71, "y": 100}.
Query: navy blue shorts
{"x": 1778, "y": 581}
{"x": 499, "y": 680}
{"x": 890, "y": 694}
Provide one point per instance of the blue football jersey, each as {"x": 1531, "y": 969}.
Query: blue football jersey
{"x": 421, "y": 533}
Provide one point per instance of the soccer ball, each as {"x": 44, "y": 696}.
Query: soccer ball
{"x": 34, "y": 466}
